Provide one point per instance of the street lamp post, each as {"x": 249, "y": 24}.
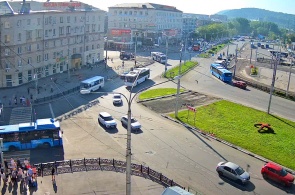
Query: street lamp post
{"x": 166, "y": 54}
{"x": 287, "y": 92}
{"x": 136, "y": 35}
{"x": 105, "y": 62}
{"x": 178, "y": 84}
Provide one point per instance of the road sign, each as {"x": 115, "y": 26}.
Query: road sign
{"x": 191, "y": 108}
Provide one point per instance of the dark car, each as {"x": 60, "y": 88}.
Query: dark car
{"x": 277, "y": 173}
{"x": 240, "y": 84}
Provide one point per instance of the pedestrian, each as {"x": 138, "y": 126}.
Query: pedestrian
{"x": 3, "y": 177}
{"x": 38, "y": 90}
{"x": 20, "y": 100}
{"x": 15, "y": 100}
{"x": 28, "y": 90}
{"x": 51, "y": 88}
{"x": 53, "y": 173}
{"x": 18, "y": 164}
{"x": 31, "y": 96}
{"x": 9, "y": 102}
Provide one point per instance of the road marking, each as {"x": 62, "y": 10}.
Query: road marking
{"x": 51, "y": 110}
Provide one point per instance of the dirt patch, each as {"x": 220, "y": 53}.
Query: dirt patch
{"x": 167, "y": 105}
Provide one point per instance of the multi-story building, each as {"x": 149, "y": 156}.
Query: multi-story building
{"x": 192, "y": 21}
{"x": 143, "y": 23}
{"x": 42, "y": 39}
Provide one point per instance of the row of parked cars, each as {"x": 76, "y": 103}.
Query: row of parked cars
{"x": 270, "y": 171}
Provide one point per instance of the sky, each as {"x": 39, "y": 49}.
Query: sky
{"x": 201, "y": 6}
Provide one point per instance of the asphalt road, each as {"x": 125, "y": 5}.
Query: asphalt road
{"x": 167, "y": 147}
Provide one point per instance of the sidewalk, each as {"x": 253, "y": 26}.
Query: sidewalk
{"x": 91, "y": 182}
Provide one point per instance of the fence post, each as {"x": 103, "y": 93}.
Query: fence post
{"x": 148, "y": 171}
{"x": 160, "y": 176}
{"x": 84, "y": 164}
{"x": 42, "y": 169}
{"x": 113, "y": 162}
{"x": 171, "y": 182}
{"x": 141, "y": 168}
{"x": 71, "y": 165}
{"x": 99, "y": 161}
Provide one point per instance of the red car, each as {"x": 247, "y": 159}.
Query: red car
{"x": 277, "y": 173}
{"x": 240, "y": 84}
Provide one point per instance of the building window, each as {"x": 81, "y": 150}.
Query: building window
{"x": 28, "y": 21}
{"x": 46, "y": 56}
{"x": 7, "y": 38}
{"x": 38, "y": 46}
{"x": 29, "y": 35}
{"x": 29, "y": 48}
{"x": 54, "y": 69}
{"x": 92, "y": 47}
{"x": 19, "y": 37}
{"x": 53, "y": 30}
{"x": 86, "y": 48}
{"x": 98, "y": 46}
{"x": 68, "y": 19}
{"x": 29, "y": 75}
{"x": 46, "y": 33}
{"x": 39, "y": 21}
{"x": 29, "y": 60}
{"x": 68, "y": 29}
{"x": 46, "y": 70}
{"x": 46, "y": 44}
{"x": 38, "y": 58}
{"x": 19, "y": 63}
{"x": 61, "y": 30}
{"x": 61, "y": 19}
{"x": 8, "y": 81}
{"x": 19, "y": 50}
{"x": 20, "y": 78}
{"x": 7, "y": 51}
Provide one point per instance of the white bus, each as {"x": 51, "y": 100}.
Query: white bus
{"x": 91, "y": 84}
{"x": 159, "y": 57}
{"x": 130, "y": 77}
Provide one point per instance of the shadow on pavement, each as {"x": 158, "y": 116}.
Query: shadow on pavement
{"x": 249, "y": 187}
{"x": 288, "y": 190}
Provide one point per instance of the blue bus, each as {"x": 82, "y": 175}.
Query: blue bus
{"x": 220, "y": 72}
{"x": 42, "y": 133}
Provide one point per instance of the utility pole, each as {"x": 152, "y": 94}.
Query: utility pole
{"x": 178, "y": 84}
{"x": 256, "y": 57}
{"x": 68, "y": 63}
{"x": 290, "y": 72}
{"x": 273, "y": 82}
{"x": 251, "y": 56}
{"x": 166, "y": 55}
{"x": 105, "y": 62}
{"x": 136, "y": 34}
{"x": 236, "y": 61}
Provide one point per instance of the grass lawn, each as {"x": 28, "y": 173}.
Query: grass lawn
{"x": 234, "y": 123}
{"x": 171, "y": 73}
{"x": 153, "y": 93}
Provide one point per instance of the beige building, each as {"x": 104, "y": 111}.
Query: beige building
{"x": 145, "y": 22}
{"x": 40, "y": 39}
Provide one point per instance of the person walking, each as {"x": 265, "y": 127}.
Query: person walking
{"x": 53, "y": 173}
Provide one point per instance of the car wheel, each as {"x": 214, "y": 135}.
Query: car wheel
{"x": 220, "y": 173}
{"x": 240, "y": 182}
{"x": 264, "y": 175}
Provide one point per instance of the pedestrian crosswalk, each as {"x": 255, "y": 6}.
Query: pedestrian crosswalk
{"x": 20, "y": 115}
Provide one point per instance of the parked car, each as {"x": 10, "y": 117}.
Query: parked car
{"x": 233, "y": 172}
{"x": 117, "y": 99}
{"x": 135, "y": 125}
{"x": 277, "y": 173}
{"x": 240, "y": 84}
{"x": 106, "y": 120}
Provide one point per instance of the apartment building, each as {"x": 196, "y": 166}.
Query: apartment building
{"x": 40, "y": 39}
{"x": 143, "y": 23}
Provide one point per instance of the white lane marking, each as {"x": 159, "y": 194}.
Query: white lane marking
{"x": 51, "y": 110}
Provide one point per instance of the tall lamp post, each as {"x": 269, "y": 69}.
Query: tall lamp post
{"x": 128, "y": 148}
{"x": 136, "y": 35}
{"x": 178, "y": 84}
{"x": 105, "y": 62}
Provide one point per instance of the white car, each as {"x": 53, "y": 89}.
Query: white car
{"x": 233, "y": 172}
{"x": 117, "y": 99}
{"x": 135, "y": 125}
{"x": 107, "y": 120}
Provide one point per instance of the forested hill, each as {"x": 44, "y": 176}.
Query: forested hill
{"x": 283, "y": 20}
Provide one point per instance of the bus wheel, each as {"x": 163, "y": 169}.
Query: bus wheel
{"x": 12, "y": 148}
{"x": 46, "y": 145}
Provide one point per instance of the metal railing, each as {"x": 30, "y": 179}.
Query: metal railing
{"x": 78, "y": 165}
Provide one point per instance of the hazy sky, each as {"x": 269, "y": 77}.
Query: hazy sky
{"x": 202, "y": 6}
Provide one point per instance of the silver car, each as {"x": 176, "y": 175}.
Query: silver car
{"x": 135, "y": 125}
{"x": 233, "y": 172}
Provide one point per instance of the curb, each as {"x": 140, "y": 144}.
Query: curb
{"x": 224, "y": 142}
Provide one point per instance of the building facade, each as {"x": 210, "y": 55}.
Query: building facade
{"x": 42, "y": 39}
{"x": 143, "y": 23}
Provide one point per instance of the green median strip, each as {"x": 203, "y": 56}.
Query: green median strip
{"x": 154, "y": 93}
{"x": 173, "y": 72}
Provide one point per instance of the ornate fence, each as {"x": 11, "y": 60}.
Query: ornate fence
{"x": 70, "y": 166}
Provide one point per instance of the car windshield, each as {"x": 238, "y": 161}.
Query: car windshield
{"x": 133, "y": 120}
{"x": 117, "y": 96}
{"x": 283, "y": 172}
{"x": 239, "y": 170}
{"x": 108, "y": 118}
